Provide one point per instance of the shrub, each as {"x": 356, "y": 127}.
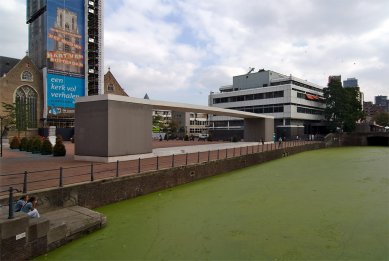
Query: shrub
{"x": 36, "y": 146}
{"x": 72, "y": 139}
{"x": 30, "y": 141}
{"x": 59, "y": 137}
{"x": 46, "y": 148}
{"x": 23, "y": 144}
{"x": 186, "y": 138}
{"x": 235, "y": 139}
{"x": 210, "y": 138}
{"x": 15, "y": 143}
{"x": 59, "y": 149}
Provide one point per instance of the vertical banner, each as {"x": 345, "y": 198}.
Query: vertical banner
{"x": 65, "y": 78}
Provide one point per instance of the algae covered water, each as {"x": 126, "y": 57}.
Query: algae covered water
{"x": 328, "y": 204}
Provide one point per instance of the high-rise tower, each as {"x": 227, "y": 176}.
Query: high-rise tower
{"x": 66, "y": 43}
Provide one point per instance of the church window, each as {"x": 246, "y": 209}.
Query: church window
{"x": 26, "y": 76}
{"x": 26, "y": 108}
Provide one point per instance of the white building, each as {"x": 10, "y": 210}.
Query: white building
{"x": 296, "y": 105}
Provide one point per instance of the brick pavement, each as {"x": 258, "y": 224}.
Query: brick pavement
{"x": 44, "y": 171}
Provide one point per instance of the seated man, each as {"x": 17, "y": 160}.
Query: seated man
{"x": 30, "y": 208}
{"x": 20, "y": 203}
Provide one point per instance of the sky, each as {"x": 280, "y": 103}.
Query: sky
{"x": 181, "y": 50}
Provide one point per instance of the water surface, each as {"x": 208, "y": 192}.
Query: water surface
{"x": 324, "y": 204}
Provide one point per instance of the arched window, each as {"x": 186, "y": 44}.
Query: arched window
{"x": 26, "y": 108}
{"x": 73, "y": 23}
{"x": 26, "y": 76}
{"x": 60, "y": 20}
{"x": 67, "y": 27}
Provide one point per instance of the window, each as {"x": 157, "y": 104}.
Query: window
{"x": 26, "y": 76}
{"x": 26, "y": 108}
{"x": 110, "y": 87}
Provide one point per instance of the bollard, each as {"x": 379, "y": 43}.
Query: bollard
{"x": 117, "y": 168}
{"x": 240, "y": 151}
{"x": 92, "y": 178}
{"x": 226, "y": 154}
{"x": 139, "y": 165}
{"x": 25, "y": 182}
{"x": 186, "y": 159}
{"x": 218, "y": 154}
{"x": 247, "y": 150}
{"x": 198, "y": 157}
{"x": 157, "y": 163}
{"x": 173, "y": 161}
{"x": 60, "y": 177}
{"x": 209, "y": 155}
{"x": 233, "y": 153}
{"x": 10, "y": 204}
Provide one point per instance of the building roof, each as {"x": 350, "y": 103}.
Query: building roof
{"x": 174, "y": 106}
{"x": 6, "y": 64}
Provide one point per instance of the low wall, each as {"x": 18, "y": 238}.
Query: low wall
{"x": 358, "y": 139}
{"x": 103, "y": 192}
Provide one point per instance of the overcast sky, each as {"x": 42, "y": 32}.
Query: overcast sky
{"x": 180, "y": 50}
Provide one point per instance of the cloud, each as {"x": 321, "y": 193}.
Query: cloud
{"x": 13, "y": 36}
{"x": 181, "y": 50}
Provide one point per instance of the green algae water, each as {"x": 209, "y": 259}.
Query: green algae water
{"x": 330, "y": 204}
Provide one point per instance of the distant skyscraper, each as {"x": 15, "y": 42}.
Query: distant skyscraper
{"x": 381, "y": 100}
{"x": 335, "y": 78}
{"x": 350, "y": 83}
{"x": 66, "y": 43}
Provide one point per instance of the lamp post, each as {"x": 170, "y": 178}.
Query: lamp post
{"x": 1, "y": 134}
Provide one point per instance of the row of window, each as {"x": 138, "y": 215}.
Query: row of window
{"x": 250, "y": 97}
{"x": 309, "y": 111}
{"x": 297, "y": 84}
{"x": 271, "y": 108}
{"x": 196, "y": 130}
{"x": 204, "y": 123}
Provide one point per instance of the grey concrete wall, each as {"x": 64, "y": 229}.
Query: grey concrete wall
{"x": 110, "y": 128}
{"x": 91, "y": 130}
{"x": 257, "y": 129}
{"x": 129, "y": 128}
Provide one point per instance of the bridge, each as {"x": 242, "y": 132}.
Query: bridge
{"x": 359, "y": 139}
{"x": 108, "y": 126}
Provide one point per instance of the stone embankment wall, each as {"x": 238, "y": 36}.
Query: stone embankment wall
{"x": 103, "y": 192}
{"x": 357, "y": 139}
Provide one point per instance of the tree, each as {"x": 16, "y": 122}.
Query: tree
{"x": 343, "y": 106}
{"x": 15, "y": 116}
{"x": 382, "y": 118}
{"x": 10, "y": 113}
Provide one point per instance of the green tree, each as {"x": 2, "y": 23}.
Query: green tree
{"x": 343, "y": 106}
{"x": 382, "y": 118}
{"x": 15, "y": 115}
{"x": 10, "y": 113}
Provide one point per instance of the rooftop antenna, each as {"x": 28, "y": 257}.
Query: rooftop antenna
{"x": 251, "y": 69}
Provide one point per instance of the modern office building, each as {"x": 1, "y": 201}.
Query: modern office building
{"x": 382, "y": 101}
{"x": 296, "y": 105}
{"x": 66, "y": 43}
{"x": 350, "y": 83}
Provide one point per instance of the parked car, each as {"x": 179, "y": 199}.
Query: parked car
{"x": 203, "y": 136}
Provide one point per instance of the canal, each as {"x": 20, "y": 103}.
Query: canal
{"x": 326, "y": 204}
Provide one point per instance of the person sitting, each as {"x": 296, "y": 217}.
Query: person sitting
{"x": 20, "y": 203}
{"x": 30, "y": 208}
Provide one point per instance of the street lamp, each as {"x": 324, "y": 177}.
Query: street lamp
{"x": 1, "y": 134}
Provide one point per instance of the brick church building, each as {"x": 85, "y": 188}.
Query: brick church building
{"x": 21, "y": 84}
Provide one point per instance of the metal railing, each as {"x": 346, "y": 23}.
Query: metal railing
{"x": 30, "y": 180}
